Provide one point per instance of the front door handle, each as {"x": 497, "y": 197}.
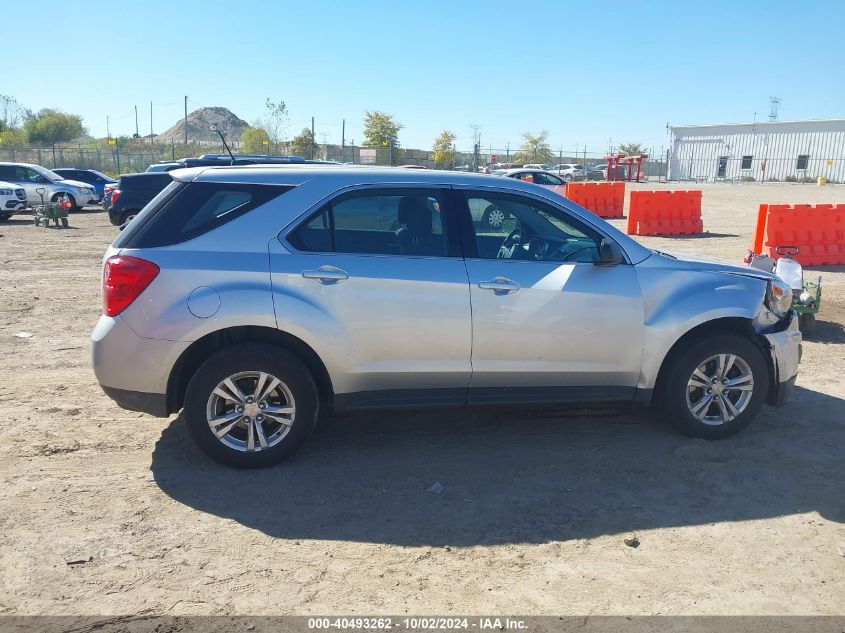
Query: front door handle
{"x": 499, "y": 285}
{"x": 326, "y": 274}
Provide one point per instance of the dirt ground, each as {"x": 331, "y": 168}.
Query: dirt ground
{"x": 104, "y": 511}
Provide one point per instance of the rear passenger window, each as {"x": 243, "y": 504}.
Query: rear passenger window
{"x": 394, "y": 223}
{"x": 197, "y": 208}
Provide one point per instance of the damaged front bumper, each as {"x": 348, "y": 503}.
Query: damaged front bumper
{"x": 785, "y": 349}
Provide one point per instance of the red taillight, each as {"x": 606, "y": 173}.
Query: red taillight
{"x": 115, "y": 195}
{"x": 124, "y": 278}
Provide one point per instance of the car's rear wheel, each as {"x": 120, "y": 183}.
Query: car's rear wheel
{"x": 567, "y": 177}
{"x": 715, "y": 386}
{"x": 250, "y": 406}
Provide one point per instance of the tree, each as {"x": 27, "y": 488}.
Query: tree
{"x": 382, "y": 130}
{"x": 630, "y": 149}
{"x": 303, "y": 144}
{"x": 255, "y": 140}
{"x": 51, "y": 126}
{"x": 276, "y": 120}
{"x": 535, "y": 149}
{"x": 12, "y": 113}
{"x": 12, "y": 138}
{"x": 442, "y": 148}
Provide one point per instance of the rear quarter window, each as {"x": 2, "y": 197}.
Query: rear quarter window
{"x": 189, "y": 210}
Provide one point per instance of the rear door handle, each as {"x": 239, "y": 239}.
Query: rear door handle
{"x": 326, "y": 274}
{"x": 499, "y": 285}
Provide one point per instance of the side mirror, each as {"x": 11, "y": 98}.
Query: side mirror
{"x": 609, "y": 253}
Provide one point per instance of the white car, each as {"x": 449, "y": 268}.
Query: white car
{"x": 569, "y": 171}
{"x": 12, "y": 199}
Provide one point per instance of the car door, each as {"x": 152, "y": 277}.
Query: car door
{"x": 550, "y": 182}
{"x": 548, "y": 322}
{"x": 32, "y": 181}
{"x": 381, "y": 268}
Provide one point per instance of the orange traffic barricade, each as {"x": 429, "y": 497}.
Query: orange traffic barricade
{"x": 665, "y": 213}
{"x": 818, "y": 230}
{"x": 605, "y": 199}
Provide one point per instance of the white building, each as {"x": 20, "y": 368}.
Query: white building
{"x": 778, "y": 150}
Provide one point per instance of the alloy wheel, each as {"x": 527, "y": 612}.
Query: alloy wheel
{"x": 720, "y": 389}
{"x": 251, "y": 411}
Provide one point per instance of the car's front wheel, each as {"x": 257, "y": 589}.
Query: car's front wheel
{"x": 250, "y": 406}
{"x": 73, "y": 206}
{"x": 715, "y": 386}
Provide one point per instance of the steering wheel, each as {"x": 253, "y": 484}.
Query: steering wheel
{"x": 510, "y": 243}
{"x": 565, "y": 251}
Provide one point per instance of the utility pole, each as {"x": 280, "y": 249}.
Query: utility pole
{"x": 108, "y": 131}
{"x": 312, "y": 138}
{"x": 137, "y": 135}
{"x": 343, "y": 141}
{"x": 186, "y": 120}
{"x": 151, "y": 122}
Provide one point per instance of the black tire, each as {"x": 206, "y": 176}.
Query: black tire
{"x": 248, "y": 358}
{"x": 673, "y": 394}
{"x": 5, "y": 216}
{"x": 64, "y": 223}
{"x": 807, "y": 324}
{"x": 567, "y": 178}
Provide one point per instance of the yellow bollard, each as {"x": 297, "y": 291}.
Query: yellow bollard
{"x": 821, "y": 181}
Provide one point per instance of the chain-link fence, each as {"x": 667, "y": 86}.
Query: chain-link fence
{"x": 115, "y": 160}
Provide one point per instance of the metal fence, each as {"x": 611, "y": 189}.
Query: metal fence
{"x": 115, "y": 160}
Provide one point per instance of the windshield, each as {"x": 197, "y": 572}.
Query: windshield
{"x": 49, "y": 175}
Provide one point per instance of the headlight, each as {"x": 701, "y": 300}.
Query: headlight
{"x": 6, "y": 192}
{"x": 779, "y": 298}
{"x": 82, "y": 189}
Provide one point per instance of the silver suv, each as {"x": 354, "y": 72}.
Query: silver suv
{"x": 40, "y": 184}
{"x": 254, "y": 298}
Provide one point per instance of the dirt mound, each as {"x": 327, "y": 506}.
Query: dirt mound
{"x": 200, "y": 123}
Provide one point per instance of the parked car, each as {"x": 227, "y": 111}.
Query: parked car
{"x": 599, "y": 172}
{"x": 107, "y": 194}
{"x": 569, "y": 171}
{"x": 88, "y": 176}
{"x": 543, "y": 166}
{"x": 253, "y": 299}
{"x": 12, "y": 199}
{"x": 133, "y": 192}
{"x": 37, "y": 181}
{"x": 223, "y": 160}
{"x": 493, "y": 217}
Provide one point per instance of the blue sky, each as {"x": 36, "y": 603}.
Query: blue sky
{"x": 590, "y": 73}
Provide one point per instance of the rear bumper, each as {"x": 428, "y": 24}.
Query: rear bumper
{"x": 133, "y": 371}
{"x": 152, "y": 403}
{"x": 785, "y": 348}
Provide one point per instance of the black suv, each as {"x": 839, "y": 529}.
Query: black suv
{"x": 133, "y": 193}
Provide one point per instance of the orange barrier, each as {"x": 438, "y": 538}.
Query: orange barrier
{"x": 665, "y": 213}
{"x": 818, "y": 230}
{"x": 605, "y": 199}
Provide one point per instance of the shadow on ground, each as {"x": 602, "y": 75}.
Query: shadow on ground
{"x": 517, "y": 476}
